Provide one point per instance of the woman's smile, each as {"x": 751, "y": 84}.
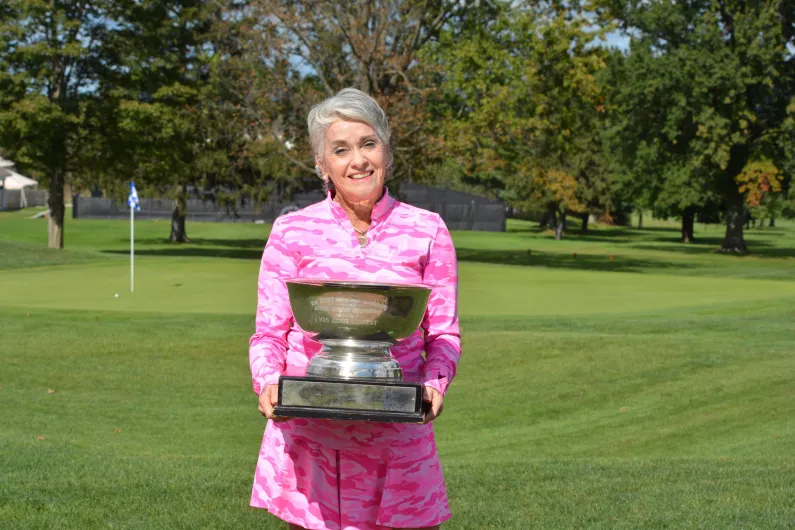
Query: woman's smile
{"x": 361, "y": 176}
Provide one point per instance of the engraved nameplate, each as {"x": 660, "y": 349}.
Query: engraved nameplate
{"x": 348, "y": 395}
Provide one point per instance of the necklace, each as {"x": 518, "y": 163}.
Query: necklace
{"x": 362, "y": 237}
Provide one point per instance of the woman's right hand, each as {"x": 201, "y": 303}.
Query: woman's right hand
{"x": 268, "y": 398}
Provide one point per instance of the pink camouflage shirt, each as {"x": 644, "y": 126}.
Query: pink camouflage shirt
{"x": 407, "y": 245}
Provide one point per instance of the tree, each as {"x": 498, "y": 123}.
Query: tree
{"x": 259, "y": 102}
{"x": 154, "y": 134}
{"x": 519, "y": 99}
{"x": 49, "y": 66}
{"x": 649, "y": 172}
{"x": 705, "y": 92}
{"x": 323, "y": 48}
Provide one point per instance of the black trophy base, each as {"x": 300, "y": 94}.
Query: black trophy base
{"x": 350, "y": 399}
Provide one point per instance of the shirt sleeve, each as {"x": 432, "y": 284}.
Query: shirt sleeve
{"x": 442, "y": 334}
{"x": 268, "y": 346}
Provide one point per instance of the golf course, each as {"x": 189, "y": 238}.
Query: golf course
{"x": 614, "y": 379}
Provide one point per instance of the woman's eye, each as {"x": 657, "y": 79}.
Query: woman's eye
{"x": 369, "y": 144}
{"x": 339, "y": 151}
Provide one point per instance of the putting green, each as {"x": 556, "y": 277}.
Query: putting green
{"x": 209, "y": 285}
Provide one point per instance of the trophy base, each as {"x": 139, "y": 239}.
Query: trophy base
{"x": 351, "y": 399}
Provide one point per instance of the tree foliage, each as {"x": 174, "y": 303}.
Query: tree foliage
{"x": 703, "y": 93}
{"x": 519, "y": 102}
{"x": 50, "y": 62}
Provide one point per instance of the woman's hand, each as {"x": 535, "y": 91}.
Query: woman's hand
{"x": 434, "y": 398}
{"x": 267, "y": 399}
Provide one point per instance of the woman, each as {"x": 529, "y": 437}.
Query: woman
{"x": 327, "y": 474}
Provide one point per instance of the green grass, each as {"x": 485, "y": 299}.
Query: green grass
{"x": 652, "y": 391}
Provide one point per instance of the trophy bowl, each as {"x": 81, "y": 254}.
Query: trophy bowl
{"x": 357, "y": 310}
{"x": 354, "y": 376}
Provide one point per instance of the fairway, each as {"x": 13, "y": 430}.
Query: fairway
{"x": 611, "y": 380}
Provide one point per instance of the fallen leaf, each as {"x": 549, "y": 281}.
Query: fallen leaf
{"x": 27, "y": 314}
{"x": 116, "y": 430}
{"x": 611, "y": 257}
{"x": 776, "y": 436}
{"x": 574, "y": 255}
{"x": 623, "y": 409}
{"x": 40, "y": 438}
{"x": 50, "y": 391}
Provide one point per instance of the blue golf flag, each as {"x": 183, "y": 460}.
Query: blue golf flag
{"x": 132, "y": 200}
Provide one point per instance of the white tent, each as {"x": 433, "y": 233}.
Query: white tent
{"x": 15, "y": 181}
{"x": 11, "y": 180}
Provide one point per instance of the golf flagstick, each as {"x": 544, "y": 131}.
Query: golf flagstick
{"x": 132, "y": 250}
{"x": 132, "y": 202}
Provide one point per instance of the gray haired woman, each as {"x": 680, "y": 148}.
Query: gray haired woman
{"x": 328, "y": 474}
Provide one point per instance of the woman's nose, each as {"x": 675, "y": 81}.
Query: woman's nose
{"x": 359, "y": 160}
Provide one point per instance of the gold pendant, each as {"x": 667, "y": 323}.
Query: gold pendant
{"x": 362, "y": 240}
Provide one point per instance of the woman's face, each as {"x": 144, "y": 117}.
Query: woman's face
{"x": 355, "y": 160}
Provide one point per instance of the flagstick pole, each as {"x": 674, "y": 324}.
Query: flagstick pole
{"x": 132, "y": 248}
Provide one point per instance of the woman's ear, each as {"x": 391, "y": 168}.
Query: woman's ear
{"x": 389, "y": 164}
{"x": 319, "y": 169}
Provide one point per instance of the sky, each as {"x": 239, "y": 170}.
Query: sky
{"x": 618, "y": 40}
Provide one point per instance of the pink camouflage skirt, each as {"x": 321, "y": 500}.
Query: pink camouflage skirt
{"x": 362, "y": 477}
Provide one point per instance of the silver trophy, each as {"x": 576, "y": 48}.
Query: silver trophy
{"x": 354, "y": 377}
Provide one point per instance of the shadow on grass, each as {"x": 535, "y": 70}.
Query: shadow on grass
{"x": 202, "y": 242}
{"x": 622, "y": 235}
{"x": 771, "y": 252}
{"x": 709, "y": 245}
{"x": 631, "y": 235}
{"x": 592, "y": 262}
{"x": 194, "y": 252}
{"x": 199, "y": 248}
{"x": 667, "y": 240}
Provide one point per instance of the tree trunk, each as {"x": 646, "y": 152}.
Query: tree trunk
{"x": 561, "y": 225}
{"x": 688, "y": 219}
{"x": 57, "y": 208}
{"x": 640, "y": 219}
{"x": 772, "y": 222}
{"x": 733, "y": 241}
{"x": 550, "y": 218}
{"x": 178, "y": 233}
{"x": 584, "y": 225}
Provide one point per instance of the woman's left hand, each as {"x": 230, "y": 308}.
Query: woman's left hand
{"x": 434, "y": 398}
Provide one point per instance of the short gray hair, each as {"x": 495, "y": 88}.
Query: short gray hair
{"x": 352, "y": 105}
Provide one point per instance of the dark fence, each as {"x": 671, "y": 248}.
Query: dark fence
{"x": 197, "y": 210}
{"x": 16, "y": 199}
{"x": 460, "y": 211}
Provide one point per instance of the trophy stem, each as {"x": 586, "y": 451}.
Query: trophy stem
{"x": 355, "y": 359}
